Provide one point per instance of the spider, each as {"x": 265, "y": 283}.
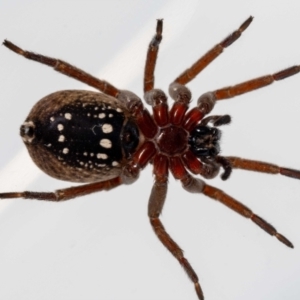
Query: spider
{"x": 105, "y": 139}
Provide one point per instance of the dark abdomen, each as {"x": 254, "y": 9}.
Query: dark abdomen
{"x": 78, "y": 135}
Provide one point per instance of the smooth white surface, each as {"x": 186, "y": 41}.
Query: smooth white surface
{"x": 101, "y": 246}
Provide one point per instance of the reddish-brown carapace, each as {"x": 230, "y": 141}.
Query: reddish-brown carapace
{"x": 105, "y": 139}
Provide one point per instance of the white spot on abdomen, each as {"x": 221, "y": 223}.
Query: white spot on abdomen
{"x": 68, "y": 116}
{"x": 65, "y": 151}
{"x": 105, "y": 143}
{"x": 60, "y": 127}
{"x": 102, "y": 156}
{"x": 107, "y": 128}
{"x": 61, "y": 138}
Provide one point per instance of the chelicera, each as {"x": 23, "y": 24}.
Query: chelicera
{"x": 105, "y": 139}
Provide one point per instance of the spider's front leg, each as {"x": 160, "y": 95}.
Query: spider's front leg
{"x": 194, "y": 185}
{"x": 211, "y": 55}
{"x": 260, "y": 166}
{"x": 254, "y": 84}
{"x": 155, "y": 206}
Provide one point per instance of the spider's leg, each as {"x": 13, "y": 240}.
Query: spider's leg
{"x": 212, "y": 54}
{"x": 155, "y": 97}
{"x": 130, "y": 174}
{"x": 66, "y": 194}
{"x": 155, "y": 206}
{"x": 253, "y": 84}
{"x": 66, "y": 69}
{"x": 151, "y": 57}
{"x": 194, "y": 185}
{"x": 260, "y": 166}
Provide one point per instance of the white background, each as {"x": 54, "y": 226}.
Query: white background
{"x": 102, "y": 246}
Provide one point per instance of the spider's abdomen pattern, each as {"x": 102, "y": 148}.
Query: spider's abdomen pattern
{"x": 89, "y": 134}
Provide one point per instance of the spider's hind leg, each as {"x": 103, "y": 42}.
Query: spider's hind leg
{"x": 66, "y": 69}
{"x": 129, "y": 175}
{"x": 67, "y": 193}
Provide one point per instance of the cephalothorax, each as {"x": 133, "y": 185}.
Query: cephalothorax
{"x": 106, "y": 139}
